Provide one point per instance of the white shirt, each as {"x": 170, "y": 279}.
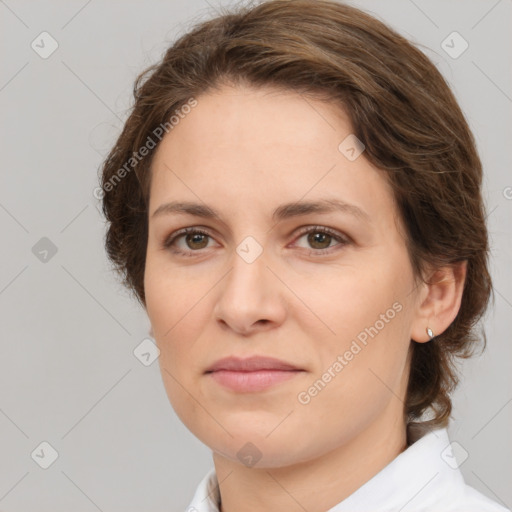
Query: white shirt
{"x": 423, "y": 478}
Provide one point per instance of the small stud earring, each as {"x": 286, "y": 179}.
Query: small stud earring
{"x": 430, "y": 333}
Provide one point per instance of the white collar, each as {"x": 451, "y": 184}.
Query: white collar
{"x": 421, "y": 478}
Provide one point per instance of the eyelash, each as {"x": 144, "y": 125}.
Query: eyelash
{"x": 169, "y": 242}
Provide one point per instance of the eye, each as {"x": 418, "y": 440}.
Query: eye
{"x": 319, "y": 238}
{"x": 194, "y": 239}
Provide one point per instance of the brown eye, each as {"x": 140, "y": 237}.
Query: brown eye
{"x": 187, "y": 241}
{"x": 319, "y": 240}
{"x": 196, "y": 240}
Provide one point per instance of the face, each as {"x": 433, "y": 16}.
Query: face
{"x": 327, "y": 289}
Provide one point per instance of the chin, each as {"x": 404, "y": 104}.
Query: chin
{"x": 253, "y": 449}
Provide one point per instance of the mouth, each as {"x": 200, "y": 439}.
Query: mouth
{"x": 252, "y": 374}
{"x": 252, "y": 381}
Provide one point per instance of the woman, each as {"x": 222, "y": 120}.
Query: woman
{"x": 296, "y": 202}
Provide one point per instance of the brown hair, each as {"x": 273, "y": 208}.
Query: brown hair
{"x": 400, "y": 107}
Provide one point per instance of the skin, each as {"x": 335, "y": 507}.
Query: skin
{"x": 244, "y": 152}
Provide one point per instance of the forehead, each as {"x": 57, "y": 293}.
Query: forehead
{"x": 250, "y": 148}
{"x": 250, "y": 118}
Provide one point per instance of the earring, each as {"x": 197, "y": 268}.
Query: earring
{"x": 430, "y": 333}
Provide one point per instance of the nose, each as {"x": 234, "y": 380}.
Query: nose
{"x": 251, "y": 297}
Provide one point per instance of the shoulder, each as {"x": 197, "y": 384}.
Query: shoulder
{"x": 428, "y": 465}
{"x": 471, "y": 500}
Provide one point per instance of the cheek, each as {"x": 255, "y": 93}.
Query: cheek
{"x": 169, "y": 298}
{"x": 341, "y": 302}
{"x": 366, "y": 349}
{"x": 177, "y": 317}
{"x": 174, "y": 310}
{"x": 356, "y": 384}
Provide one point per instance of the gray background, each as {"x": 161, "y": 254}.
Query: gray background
{"x": 68, "y": 374}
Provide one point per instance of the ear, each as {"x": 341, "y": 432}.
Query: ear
{"x": 439, "y": 301}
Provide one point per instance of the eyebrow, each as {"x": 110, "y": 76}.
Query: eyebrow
{"x": 284, "y": 211}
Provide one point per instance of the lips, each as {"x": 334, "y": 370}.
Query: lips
{"x": 251, "y": 364}
{"x": 252, "y": 375}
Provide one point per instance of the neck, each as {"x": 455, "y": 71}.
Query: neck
{"x": 314, "y": 485}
